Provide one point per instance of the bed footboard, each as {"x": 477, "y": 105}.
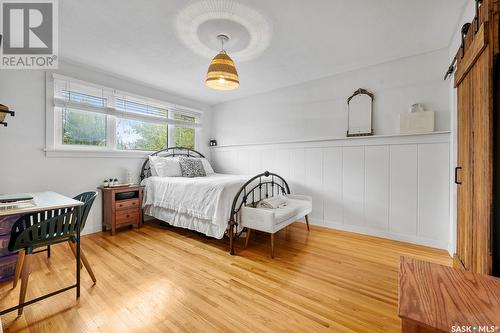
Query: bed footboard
{"x": 261, "y": 186}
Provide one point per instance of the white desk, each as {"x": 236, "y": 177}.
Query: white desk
{"x": 42, "y": 201}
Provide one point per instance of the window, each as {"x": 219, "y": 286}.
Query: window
{"x": 185, "y": 136}
{"x": 139, "y": 135}
{"x": 91, "y": 117}
{"x": 83, "y": 128}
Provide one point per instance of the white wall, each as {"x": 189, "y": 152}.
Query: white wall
{"x": 318, "y": 108}
{"x": 23, "y": 164}
{"x": 395, "y": 187}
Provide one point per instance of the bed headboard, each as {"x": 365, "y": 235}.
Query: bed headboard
{"x": 173, "y": 151}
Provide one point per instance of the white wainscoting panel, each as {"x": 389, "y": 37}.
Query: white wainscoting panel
{"x": 353, "y": 185}
{"x": 433, "y": 191}
{"x": 314, "y": 181}
{"x": 254, "y": 161}
{"x": 297, "y": 178}
{"x": 332, "y": 185}
{"x": 394, "y": 187}
{"x": 377, "y": 187}
{"x": 403, "y": 190}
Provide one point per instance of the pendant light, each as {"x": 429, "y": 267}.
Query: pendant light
{"x": 222, "y": 74}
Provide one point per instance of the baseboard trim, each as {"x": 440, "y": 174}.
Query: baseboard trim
{"x": 381, "y": 233}
{"x": 91, "y": 230}
{"x": 350, "y": 228}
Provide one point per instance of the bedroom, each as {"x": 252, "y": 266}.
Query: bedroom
{"x": 327, "y": 165}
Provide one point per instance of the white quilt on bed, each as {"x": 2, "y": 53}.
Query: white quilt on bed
{"x": 206, "y": 198}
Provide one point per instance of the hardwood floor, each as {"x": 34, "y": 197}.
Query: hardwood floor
{"x": 160, "y": 279}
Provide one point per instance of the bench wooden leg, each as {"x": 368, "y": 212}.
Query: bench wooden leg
{"x": 249, "y": 231}
{"x": 307, "y": 222}
{"x": 272, "y": 246}
{"x": 19, "y": 266}
{"x": 25, "y": 274}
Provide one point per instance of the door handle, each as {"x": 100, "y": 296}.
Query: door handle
{"x": 456, "y": 175}
{"x": 492, "y": 231}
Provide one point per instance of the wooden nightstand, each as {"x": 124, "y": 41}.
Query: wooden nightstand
{"x": 121, "y": 206}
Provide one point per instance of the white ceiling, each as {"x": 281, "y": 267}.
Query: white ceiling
{"x": 310, "y": 39}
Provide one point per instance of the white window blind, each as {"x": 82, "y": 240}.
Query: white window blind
{"x": 73, "y": 93}
{"x": 125, "y": 118}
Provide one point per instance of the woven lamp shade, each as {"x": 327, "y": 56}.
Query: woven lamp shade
{"x": 222, "y": 74}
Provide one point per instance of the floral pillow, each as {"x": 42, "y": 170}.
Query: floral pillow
{"x": 191, "y": 167}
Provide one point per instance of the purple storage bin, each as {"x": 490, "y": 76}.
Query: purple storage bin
{"x": 7, "y": 267}
{"x": 6, "y": 223}
{"x": 4, "y": 243}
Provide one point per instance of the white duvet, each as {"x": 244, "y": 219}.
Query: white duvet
{"x": 207, "y": 200}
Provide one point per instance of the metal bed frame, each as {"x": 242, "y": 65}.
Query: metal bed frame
{"x": 255, "y": 189}
{"x": 171, "y": 151}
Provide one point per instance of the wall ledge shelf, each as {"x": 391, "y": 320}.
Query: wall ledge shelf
{"x": 431, "y": 137}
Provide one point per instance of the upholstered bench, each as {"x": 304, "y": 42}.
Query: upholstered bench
{"x": 272, "y": 220}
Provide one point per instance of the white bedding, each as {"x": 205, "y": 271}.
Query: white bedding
{"x": 202, "y": 203}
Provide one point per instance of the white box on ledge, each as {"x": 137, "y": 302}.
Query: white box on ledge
{"x": 416, "y": 122}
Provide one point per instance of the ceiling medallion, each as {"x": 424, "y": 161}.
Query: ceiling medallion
{"x": 198, "y": 24}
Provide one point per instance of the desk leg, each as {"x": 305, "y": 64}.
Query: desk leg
{"x": 79, "y": 214}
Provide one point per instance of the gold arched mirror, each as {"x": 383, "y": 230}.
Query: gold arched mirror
{"x": 359, "y": 113}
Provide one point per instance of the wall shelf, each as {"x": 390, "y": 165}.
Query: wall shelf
{"x": 384, "y": 138}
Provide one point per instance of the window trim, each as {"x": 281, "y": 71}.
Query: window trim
{"x": 53, "y": 122}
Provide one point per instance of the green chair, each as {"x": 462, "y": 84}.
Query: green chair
{"x": 88, "y": 199}
{"x": 42, "y": 229}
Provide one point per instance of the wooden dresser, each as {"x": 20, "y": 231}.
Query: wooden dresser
{"x": 436, "y": 298}
{"x": 121, "y": 206}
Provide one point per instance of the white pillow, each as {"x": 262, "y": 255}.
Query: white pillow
{"x": 207, "y": 166}
{"x": 151, "y": 166}
{"x": 165, "y": 166}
